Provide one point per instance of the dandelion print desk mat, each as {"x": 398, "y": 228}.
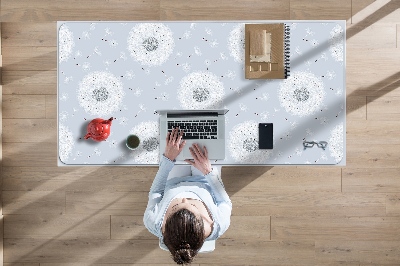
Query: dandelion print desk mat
{"x": 127, "y": 70}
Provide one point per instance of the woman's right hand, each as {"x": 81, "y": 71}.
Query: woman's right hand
{"x": 200, "y": 159}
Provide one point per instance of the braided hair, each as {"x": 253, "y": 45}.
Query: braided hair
{"x": 184, "y": 235}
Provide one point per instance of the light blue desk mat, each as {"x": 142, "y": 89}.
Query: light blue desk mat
{"x": 127, "y": 70}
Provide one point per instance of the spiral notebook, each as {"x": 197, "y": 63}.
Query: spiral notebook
{"x": 267, "y": 48}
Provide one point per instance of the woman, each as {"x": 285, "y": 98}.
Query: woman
{"x": 187, "y": 204}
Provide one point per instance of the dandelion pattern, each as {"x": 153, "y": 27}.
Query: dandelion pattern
{"x": 129, "y": 70}
{"x": 236, "y": 43}
{"x": 243, "y": 144}
{"x": 65, "y": 43}
{"x": 100, "y": 93}
{"x": 150, "y": 44}
{"x": 148, "y": 150}
{"x": 335, "y": 143}
{"x": 66, "y": 143}
{"x": 200, "y": 90}
{"x": 301, "y": 94}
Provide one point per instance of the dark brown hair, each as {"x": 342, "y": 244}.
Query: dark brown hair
{"x": 184, "y": 235}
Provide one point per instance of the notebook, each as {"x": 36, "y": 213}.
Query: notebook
{"x": 267, "y": 49}
{"x": 204, "y": 127}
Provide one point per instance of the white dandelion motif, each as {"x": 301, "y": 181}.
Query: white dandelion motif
{"x": 66, "y": 43}
{"x": 86, "y": 66}
{"x": 168, "y": 80}
{"x": 123, "y": 56}
{"x": 150, "y": 44}
{"x": 230, "y": 74}
{"x": 187, "y": 34}
{"x": 301, "y": 94}
{"x": 85, "y": 35}
{"x": 129, "y": 74}
{"x": 97, "y": 151}
{"x": 64, "y": 97}
{"x": 335, "y": 143}
{"x": 200, "y": 90}
{"x": 66, "y": 142}
{"x": 63, "y": 116}
{"x": 186, "y": 67}
{"x": 243, "y": 107}
{"x": 336, "y": 43}
{"x": 236, "y": 43}
{"x": 148, "y": 150}
{"x": 112, "y": 143}
{"x": 208, "y": 31}
{"x": 113, "y": 43}
{"x": 265, "y": 116}
{"x": 197, "y": 51}
{"x": 223, "y": 56}
{"x": 100, "y": 93}
{"x": 123, "y": 121}
{"x": 314, "y": 42}
{"x": 243, "y": 144}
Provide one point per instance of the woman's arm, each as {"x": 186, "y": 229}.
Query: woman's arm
{"x": 156, "y": 194}
{"x": 172, "y": 149}
{"x": 222, "y": 199}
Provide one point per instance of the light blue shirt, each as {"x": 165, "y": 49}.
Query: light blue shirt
{"x": 209, "y": 188}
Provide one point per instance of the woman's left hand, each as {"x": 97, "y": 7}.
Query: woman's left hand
{"x": 174, "y": 144}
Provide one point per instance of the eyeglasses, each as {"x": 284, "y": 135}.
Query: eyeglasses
{"x": 310, "y": 144}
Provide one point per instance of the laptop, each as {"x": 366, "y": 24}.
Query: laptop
{"x": 204, "y": 127}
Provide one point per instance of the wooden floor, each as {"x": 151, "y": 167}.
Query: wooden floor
{"x": 281, "y": 215}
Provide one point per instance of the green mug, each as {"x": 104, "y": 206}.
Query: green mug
{"x": 132, "y": 142}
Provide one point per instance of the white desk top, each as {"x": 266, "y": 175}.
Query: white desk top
{"x": 126, "y": 70}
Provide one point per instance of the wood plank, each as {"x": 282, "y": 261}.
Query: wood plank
{"x": 33, "y": 202}
{"x": 356, "y": 108}
{"x": 118, "y": 10}
{"x": 373, "y": 132}
{"x": 364, "y": 252}
{"x": 43, "y": 62}
{"x": 381, "y": 180}
{"x": 284, "y": 179}
{"x": 335, "y": 228}
{"x": 29, "y": 34}
{"x": 368, "y": 12}
{"x": 29, "y": 82}
{"x": 21, "y": 264}
{"x": 24, "y": 106}
{"x": 107, "y": 203}
{"x": 113, "y": 264}
{"x": 309, "y": 204}
{"x": 51, "y": 106}
{"x": 129, "y": 227}
{"x": 53, "y": 226}
{"x": 383, "y": 108}
{"x": 228, "y": 251}
{"x": 224, "y": 10}
{"x": 362, "y": 155}
{"x": 393, "y": 204}
{"x": 358, "y": 6}
{"x": 324, "y": 9}
{"x": 384, "y": 36}
{"x": 249, "y": 227}
{"x": 375, "y": 72}
{"x": 29, "y": 154}
{"x": 29, "y": 130}
{"x": 121, "y": 179}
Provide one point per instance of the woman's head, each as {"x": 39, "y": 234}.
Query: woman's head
{"x": 184, "y": 235}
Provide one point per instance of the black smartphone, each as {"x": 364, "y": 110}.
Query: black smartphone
{"x": 265, "y": 135}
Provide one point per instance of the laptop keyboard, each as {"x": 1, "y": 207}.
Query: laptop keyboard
{"x": 195, "y": 129}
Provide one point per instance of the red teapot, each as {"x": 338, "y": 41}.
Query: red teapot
{"x": 99, "y": 129}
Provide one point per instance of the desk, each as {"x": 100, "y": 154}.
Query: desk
{"x": 127, "y": 70}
